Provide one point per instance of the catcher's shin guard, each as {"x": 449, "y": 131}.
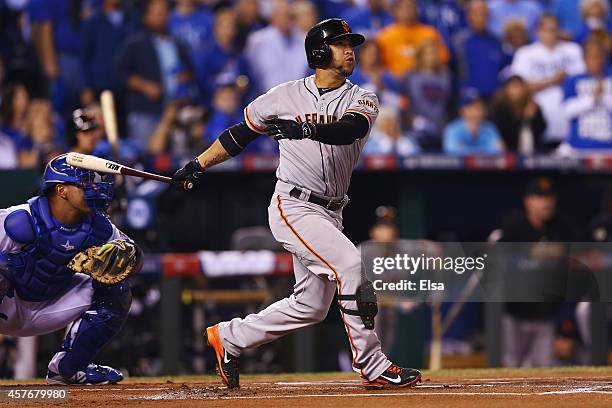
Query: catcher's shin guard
{"x": 227, "y": 364}
{"x": 95, "y": 327}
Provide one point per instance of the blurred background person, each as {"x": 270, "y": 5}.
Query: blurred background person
{"x": 59, "y": 40}
{"x": 191, "y": 23}
{"x": 17, "y": 51}
{"x": 154, "y": 69}
{"x": 14, "y": 102}
{"x": 227, "y": 111}
{"x": 179, "y": 132}
{"x": 305, "y": 15}
{"x": 45, "y": 129}
{"x": 276, "y": 53}
{"x": 478, "y": 53}
{"x": 567, "y": 13}
{"x": 515, "y": 36}
{"x": 370, "y": 74}
{"x": 529, "y": 328}
{"x": 503, "y": 11}
{"x": 84, "y": 134}
{"x": 588, "y": 101}
{"x": 248, "y": 20}
{"x": 428, "y": 89}
{"x": 471, "y": 133}
{"x": 222, "y": 62}
{"x": 544, "y": 65}
{"x": 387, "y": 136}
{"x": 518, "y": 117}
{"x": 368, "y": 18}
{"x": 103, "y": 35}
{"x": 595, "y": 18}
{"x": 399, "y": 41}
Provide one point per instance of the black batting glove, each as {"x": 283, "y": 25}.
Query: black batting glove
{"x": 186, "y": 177}
{"x": 289, "y": 129}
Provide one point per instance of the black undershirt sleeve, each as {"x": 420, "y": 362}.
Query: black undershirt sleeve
{"x": 235, "y": 138}
{"x": 352, "y": 126}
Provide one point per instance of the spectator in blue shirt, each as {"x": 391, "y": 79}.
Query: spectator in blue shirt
{"x": 369, "y": 18}
{"x": 588, "y": 101}
{"x": 14, "y": 103}
{"x": 192, "y": 27}
{"x": 471, "y": 134}
{"x": 478, "y": 53}
{"x": 221, "y": 62}
{"x": 504, "y": 11}
{"x": 103, "y": 34}
{"x": 60, "y": 43}
{"x": 155, "y": 70}
{"x": 447, "y": 16}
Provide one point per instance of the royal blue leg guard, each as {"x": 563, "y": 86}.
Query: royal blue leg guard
{"x": 88, "y": 334}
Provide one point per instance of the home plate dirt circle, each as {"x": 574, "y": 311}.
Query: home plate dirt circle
{"x": 456, "y": 388}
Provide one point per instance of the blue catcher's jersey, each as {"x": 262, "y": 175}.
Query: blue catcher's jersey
{"x": 38, "y": 271}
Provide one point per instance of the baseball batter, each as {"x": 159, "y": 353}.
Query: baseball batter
{"x": 38, "y": 292}
{"x": 322, "y": 123}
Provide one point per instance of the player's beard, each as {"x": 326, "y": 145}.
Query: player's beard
{"x": 345, "y": 69}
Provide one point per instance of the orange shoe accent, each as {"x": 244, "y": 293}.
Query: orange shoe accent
{"x": 299, "y": 237}
{"x": 212, "y": 334}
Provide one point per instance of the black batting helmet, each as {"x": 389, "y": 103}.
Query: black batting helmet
{"x": 321, "y": 34}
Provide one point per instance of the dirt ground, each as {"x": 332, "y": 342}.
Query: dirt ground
{"x": 568, "y": 387}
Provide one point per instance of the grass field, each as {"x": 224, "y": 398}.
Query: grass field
{"x": 560, "y": 387}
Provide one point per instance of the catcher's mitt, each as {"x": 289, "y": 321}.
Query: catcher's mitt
{"x": 108, "y": 263}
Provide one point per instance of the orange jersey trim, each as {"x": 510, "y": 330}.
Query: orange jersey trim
{"x": 252, "y": 124}
{"x": 299, "y": 237}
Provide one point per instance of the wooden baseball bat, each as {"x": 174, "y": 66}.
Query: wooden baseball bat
{"x": 88, "y": 162}
{"x": 109, "y": 116}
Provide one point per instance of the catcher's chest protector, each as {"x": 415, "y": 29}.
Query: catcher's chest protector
{"x": 40, "y": 271}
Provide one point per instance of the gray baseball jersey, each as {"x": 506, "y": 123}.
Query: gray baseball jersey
{"x": 321, "y": 168}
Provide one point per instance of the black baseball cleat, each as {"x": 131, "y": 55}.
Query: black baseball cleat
{"x": 227, "y": 364}
{"x": 395, "y": 376}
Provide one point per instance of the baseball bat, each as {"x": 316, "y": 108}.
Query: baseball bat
{"x": 109, "y": 116}
{"x": 88, "y": 162}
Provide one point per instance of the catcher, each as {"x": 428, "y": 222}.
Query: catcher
{"x": 63, "y": 263}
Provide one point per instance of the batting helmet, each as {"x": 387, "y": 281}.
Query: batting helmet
{"x": 97, "y": 188}
{"x": 322, "y": 34}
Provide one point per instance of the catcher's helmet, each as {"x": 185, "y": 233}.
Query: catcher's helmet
{"x": 98, "y": 188}
{"x": 321, "y": 34}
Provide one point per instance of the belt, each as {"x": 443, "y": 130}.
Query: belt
{"x": 333, "y": 205}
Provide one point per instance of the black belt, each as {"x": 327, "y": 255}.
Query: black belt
{"x": 333, "y": 205}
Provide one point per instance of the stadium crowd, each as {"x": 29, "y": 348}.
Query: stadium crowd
{"x": 453, "y": 76}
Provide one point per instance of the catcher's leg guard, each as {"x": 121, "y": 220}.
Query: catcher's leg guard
{"x": 88, "y": 334}
{"x": 367, "y": 306}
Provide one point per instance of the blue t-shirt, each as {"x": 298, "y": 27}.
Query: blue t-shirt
{"x": 194, "y": 31}
{"x": 592, "y": 128}
{"x": 364, "y": 21}
{"x": 215, "y": 66}
{"x": 503, "y": 11}
{"x": 66, "y": 33}
{"x": 479, "y": 58}
{"x": 459, "y": 141}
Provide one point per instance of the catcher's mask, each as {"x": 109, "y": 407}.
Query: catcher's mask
{"x": 97, "y": 188}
